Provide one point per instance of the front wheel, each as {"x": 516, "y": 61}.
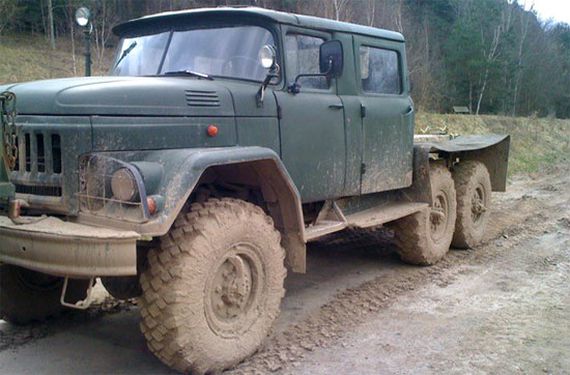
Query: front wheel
{"x": 213, "y": 287}
{"x": 27, "y": 296}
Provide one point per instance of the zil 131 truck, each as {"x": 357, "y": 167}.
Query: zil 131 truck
{"x": 193, "y": 175}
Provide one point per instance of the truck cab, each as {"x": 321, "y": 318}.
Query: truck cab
{"x": 193, "y": 175}
{"x": 357, "y": 121}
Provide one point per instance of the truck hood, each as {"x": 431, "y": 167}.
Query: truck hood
{"x": 123, "y": 96}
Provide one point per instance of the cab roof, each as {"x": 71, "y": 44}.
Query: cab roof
{"x": 254, "y": 12}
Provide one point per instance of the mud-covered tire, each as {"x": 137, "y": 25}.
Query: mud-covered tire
{"x": 27, "y": 296}
{"x": 473, "y": 186}
{"x": 424, "y": 237}
{"x": 213, "y": 287}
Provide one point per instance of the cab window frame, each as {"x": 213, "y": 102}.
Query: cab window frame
{"x": 289, "y": 74}
{"x": 400, "y": 62}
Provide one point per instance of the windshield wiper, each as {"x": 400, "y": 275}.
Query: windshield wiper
{"x": 126, "y": 52}
{"x": 188, "y": 73}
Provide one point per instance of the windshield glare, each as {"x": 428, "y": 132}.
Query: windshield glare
{"x": 223, "y": 52}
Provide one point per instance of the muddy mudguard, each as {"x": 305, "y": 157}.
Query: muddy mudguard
{"x": 490, "y": 149}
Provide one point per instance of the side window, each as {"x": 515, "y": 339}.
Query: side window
{"x": 302, "y": 57}
{"x": 380, "y": 71}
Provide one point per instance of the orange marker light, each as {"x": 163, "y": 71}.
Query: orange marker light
{"x": 151, "y": 203}
{"x": 212, "y": 130}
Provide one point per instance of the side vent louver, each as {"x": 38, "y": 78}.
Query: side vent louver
{"x": 199, "y": 98}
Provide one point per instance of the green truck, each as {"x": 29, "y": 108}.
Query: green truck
{"x": 193, "y": 175}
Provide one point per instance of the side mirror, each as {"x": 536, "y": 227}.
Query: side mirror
{"x": 331, "y": 58}
{"x": 330, "y": 64}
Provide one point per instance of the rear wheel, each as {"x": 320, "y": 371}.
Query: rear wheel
{"x": 424, "y": 237}
{"x": 212, "y": 290}
{"x": 473, "y": 185}
{"x": 27, "y": 296}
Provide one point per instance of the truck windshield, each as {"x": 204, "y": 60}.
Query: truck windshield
{"x": 229, "y": 51}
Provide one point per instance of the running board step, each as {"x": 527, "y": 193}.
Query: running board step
{"x": 331, "y": 219}
{"x": 383, "y": 214}
{"x": 323, "y": 228}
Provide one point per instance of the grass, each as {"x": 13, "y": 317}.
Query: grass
{"x": 535, "y": 143}
{"x": 28, "y": 58}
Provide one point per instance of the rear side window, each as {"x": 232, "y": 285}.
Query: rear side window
{"x": 380, "y": 71}
{"x": 302, "y": 54}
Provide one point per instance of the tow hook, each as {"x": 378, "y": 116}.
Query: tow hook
{"x": 15, "y": 208}
{"x": 15, "y": 212}
{"x": 80, "y": 305}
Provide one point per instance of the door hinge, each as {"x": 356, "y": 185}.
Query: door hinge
{"x": 362, "y": 110}
{"x": 362, "y": 168}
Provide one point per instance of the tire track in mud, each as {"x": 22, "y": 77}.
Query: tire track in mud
{"x": 528, "y": 217}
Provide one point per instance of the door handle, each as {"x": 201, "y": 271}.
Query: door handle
{"x": 336, "y": 106}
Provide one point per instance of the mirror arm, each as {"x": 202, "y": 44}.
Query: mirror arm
{"x": 273, "y": 73}
{"x": 295, "y": 88}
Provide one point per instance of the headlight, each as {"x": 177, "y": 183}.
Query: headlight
{"x": 124, "y": 185}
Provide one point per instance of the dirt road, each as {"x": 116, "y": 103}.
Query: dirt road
{"x": 502, "y": 308}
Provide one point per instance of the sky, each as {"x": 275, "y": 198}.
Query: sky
{"x": 559, "y": 10}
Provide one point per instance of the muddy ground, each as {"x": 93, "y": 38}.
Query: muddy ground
{"x": 502, "y": 308}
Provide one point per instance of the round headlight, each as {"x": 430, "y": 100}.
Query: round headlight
{"x": 267, "y": 56}
{"x": 82, "y": 16}
{"x": 124, "y": 185}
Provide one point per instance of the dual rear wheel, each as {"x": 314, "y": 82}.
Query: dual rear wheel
{"x": 457, "y": 217}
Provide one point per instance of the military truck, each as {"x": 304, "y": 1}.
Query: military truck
{"x": 194, "y": 175}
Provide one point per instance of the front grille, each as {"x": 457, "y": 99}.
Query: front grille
{"x": 202, "y": 98}
{"x": 39, "y": 153}
{"x": 50, "y": 191}
{"x": 38, "y": 169}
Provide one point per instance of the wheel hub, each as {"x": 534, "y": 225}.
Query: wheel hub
{"x": 438, "y": 216}
{"x": 478, "y": 204}
{"x": 232, "y": 287}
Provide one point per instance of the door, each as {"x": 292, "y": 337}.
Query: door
{"x": 387, "y": 115}
{"x": 311, "y": 121}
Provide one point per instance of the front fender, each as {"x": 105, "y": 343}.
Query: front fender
{"x": 182, "y": 170}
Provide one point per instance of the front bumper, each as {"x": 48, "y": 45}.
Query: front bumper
{"x": 63, "y": 248}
